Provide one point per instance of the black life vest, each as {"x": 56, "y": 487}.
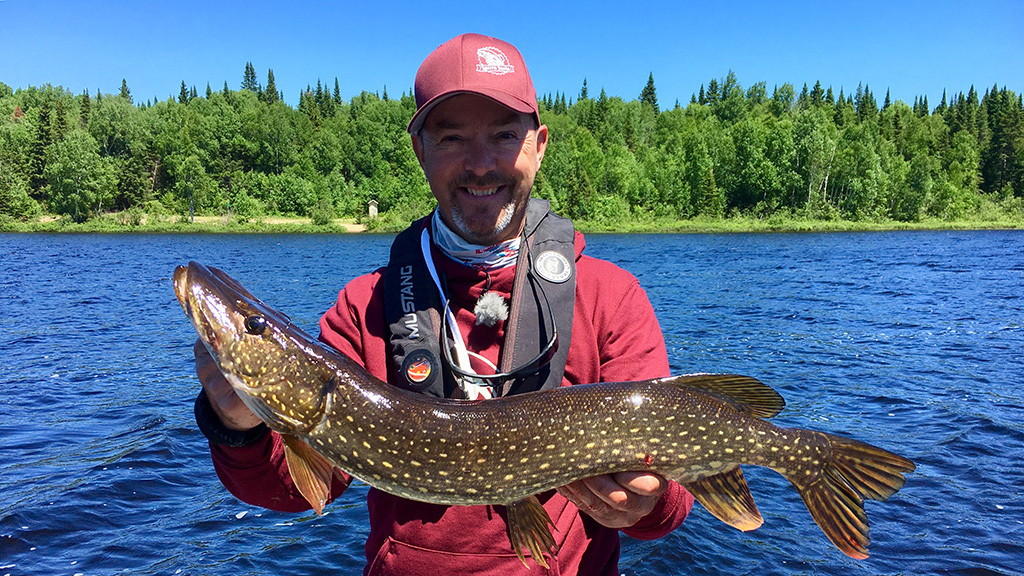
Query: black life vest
{"x": 413, "y": 307}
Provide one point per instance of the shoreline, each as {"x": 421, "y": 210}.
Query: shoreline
{"x": 111, "y": 223}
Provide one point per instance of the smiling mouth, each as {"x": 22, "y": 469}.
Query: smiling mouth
{"x": 482, "y": 192}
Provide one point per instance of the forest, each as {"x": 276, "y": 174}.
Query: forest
{"x": 730, "y": 151}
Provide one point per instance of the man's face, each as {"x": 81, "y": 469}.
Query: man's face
{"x": 480, "y": 159}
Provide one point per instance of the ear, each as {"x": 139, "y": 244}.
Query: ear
{"x": 542, "y": 143}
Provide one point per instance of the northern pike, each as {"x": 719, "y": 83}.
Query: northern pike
{"x": 695, "y": 429}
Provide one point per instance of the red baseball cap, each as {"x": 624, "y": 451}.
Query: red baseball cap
{"x": 475, "y": 64}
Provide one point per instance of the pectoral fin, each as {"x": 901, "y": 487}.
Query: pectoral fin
{"x": 528, "y": 523}
{"x": 310, "y": 472}
{"x": 728, "y": 498}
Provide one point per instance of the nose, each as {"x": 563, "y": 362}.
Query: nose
{"x": 481, "y": 158}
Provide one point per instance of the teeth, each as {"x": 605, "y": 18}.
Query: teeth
{"x": 485, "y": 192}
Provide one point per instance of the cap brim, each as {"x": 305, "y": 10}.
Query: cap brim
{"x": 503, "y": 98}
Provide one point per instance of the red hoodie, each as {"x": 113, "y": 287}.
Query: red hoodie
{"x": 615, "y": 337}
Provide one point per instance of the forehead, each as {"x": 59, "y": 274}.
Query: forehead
{"x": 464, "y": 110}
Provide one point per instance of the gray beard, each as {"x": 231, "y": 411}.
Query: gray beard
{"x": 462, "y": 224}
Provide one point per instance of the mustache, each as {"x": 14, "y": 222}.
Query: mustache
{"x": 489, "y": 180}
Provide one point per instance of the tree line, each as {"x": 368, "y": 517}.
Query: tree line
{"x": 729, "y": 151}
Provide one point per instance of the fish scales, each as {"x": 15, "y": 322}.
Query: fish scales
{"x": 461, "y": 453}
{"x": 695, "y": 429}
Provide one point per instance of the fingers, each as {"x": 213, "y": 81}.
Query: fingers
{"x": 642, "y": 483}
{"x": 616, "y": 500}
{"x": 233, "y": 413}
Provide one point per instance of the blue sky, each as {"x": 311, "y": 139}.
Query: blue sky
{"x": 910, "y": 48}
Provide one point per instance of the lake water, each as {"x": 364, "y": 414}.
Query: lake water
{"x": 910, "y": 340}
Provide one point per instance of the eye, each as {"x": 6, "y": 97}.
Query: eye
{"x": 255, "y": 325}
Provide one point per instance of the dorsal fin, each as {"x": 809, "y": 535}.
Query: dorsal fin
{"x": 745, "y": 393}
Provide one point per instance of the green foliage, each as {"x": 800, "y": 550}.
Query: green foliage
{"x": 322, "y": 211}
{"x": 245, "y": 208}
{"x": 79, "y": 181}
{"x": 774, "y": 156}
{"x": 15, "y": 201}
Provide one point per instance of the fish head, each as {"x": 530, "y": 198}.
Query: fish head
{"x": 274, "y": 367}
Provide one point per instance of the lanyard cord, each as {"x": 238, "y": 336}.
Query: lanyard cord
{"x": 461, "y": 353}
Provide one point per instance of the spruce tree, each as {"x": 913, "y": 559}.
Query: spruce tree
{"x": 270, "y": 94}
{"x": 125, "y": 92}
{"x": 37, "y": 152}
{"x": 584, "y": 93}
{"x": 804, "y": 99}
{"x": 817, "y": 94}
{"x": 209, "y": 92}
{"x": 183, "y": 94}
{"x": 249, "y": 79}
{"x": 648, "y": 95}
{"x": 59, "y": 121}
{"x": 712, "y": 93}
{"x": 941, "y": 110}
{"x": 84, "y": 108}
{"x": 226, "y": 92}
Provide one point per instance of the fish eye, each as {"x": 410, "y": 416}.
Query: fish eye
{"x": 255, "y": 325}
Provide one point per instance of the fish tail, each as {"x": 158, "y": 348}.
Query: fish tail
{"x": 835, "y": 497}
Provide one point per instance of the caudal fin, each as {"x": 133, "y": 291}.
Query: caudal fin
{"x": 836, "y": 498}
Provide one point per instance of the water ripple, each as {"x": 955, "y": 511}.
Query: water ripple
{"x": 908, "y": 340}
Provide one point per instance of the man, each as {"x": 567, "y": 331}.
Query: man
{"x": 492, "y": 283}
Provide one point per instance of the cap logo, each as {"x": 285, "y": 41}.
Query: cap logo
{"x": 493, "y": 61}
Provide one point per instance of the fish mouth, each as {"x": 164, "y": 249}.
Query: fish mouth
{"x": 204, "y": 297}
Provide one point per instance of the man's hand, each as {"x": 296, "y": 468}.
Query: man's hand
{"x": 233, "y": 413}
{"x": 616, "y": 500}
